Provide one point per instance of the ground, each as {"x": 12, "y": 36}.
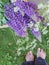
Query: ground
{"x": 14, "y": 48}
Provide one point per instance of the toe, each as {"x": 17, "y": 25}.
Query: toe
{"x": 38, "y": 50}
{"x": 42, "y": 50}
{"x": 30, "y": 52}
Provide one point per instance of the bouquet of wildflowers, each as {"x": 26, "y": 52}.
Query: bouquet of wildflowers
{"x": 22, "y": 16}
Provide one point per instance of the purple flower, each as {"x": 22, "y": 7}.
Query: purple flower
{"x": 18, "y": 22}
{"x": 37, "y": 34}
{"x": 26, "y": 8}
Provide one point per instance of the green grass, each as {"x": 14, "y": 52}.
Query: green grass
{"x": 9, "y": 47}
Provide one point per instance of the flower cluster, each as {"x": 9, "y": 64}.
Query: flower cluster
{"x": 23, "y": 15}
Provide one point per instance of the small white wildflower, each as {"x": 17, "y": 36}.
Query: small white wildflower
{"x": 16, "y": 9}
{"x": 18, "y": 53}
{"x": 36, "y": 25}
{"x": 36, "y": 29}
{"x": 18, "y": 41}
{"x": 30, "y": 24}
{"x": 47, "y": 11}
{"x": 48, "y": 24}
{"x": 40, "y": 6}
{"x": 12, "y": 1}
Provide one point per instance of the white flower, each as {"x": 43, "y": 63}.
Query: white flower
{"x": 16, "y": 9}
{"x": 12, "y": 1}
{"x": 47, "y": 11}
{"x": 18, "y": 53}
{"x": 18, "y": 41}
{"x": 37, "y": 24}
{"x": 30, "y": 24}
{"x": 36, "y": 28}
{"x": 40, "y": 6}
{"x": 48, "y": 24}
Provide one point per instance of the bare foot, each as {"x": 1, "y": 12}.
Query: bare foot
{"x": 41, "y": 53}
{"x": 29, "y": 56}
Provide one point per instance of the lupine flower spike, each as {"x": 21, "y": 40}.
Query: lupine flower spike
{"x": 21, "y": 16}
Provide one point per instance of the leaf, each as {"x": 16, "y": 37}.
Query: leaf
{"x": 4, "y": 1}
{"x": 4, "y": 20}
{"x": 1, "y": 9}
{"x": 1, "y": 16}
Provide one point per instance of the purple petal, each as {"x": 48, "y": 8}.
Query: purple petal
{"x": 20, "y": 32}
{"x": 26, "y": 8}
{"x": 37, "y": 34}
{"x": 41, "y": 18}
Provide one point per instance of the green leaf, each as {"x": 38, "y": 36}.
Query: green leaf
{"x": 4, "y": 1}
{"x": 4, "y": 20}
{"x": 1, "y": 9}
{"x": 1, "y": 17}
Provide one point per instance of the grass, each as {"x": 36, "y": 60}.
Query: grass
{"x": 10, "y": 43}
